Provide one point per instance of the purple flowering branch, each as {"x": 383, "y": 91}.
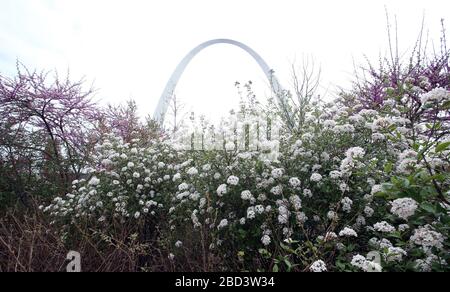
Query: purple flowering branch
{"x": 56, "y": 112}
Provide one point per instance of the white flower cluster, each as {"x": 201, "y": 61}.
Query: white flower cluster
{"x": 247, "y": 196}
{"x": 283, "y": 214}
{"x": 233, "y": 180}
{"x": 352, "y": 160}
{"x": 266, "y": 240}
{"x": 332, "y": 215}
{"x": 376, "y": 189}
{"x": 425, "y": 265}
{"x": 346, "y": 204}
{"x": 223, "y": 224}
{"x": 437, "y": 95}
{"x": 427, "y": 238}
{"x": 316, "y": 177}
{"x": 384, "y": 227}
{"x": 368, "y": 211}
{"x": 407, "y": 162}
{"x": 192, "y": 171}
{"x": 390, "y": 252}
{"x": 222, "y": 190}
{"x": 318, "y": 266}
{"x": 122, "y": 184}
{"x": 404, "y": 207}
{"x": 251, "y": 213}
{"x": 277, "y": 173}
{"x": 277, "y": 190}
{"x": 362, "y": 263}
{"x": 94, "y": 181}
{"x": 348, "y": 232}
{"x": 294, "y": 182}
{"x": 355, "y": 153}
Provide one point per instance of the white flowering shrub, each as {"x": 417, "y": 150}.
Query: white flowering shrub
{"x": 124, "y": 182}
{"x": 352, "y": 183}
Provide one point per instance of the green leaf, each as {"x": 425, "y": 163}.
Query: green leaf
{"x": 442, "y": 146}
{"x": 391, "y": 128}
{"x": 264, "y": 253}
{"x": 445, "y": 219}
{"x": 275, "y": 269}
{"x": 446, "y": 105}
{"x": 395, "y": 234}
{"x": 288, "y": 264}
{"x": 428, "y": 207}
{"x": 388, "y": 167}
{"x": 287, "y": 248}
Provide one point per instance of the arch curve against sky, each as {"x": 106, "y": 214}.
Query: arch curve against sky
{"x": 166, "y": 96}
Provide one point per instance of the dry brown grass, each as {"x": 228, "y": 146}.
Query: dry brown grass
{"x": 29, "y": 243}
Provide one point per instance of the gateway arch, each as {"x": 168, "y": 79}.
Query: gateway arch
{"x": 167, "y": 94}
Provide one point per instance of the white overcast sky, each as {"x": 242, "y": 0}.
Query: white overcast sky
{"x": 129, "y": 48}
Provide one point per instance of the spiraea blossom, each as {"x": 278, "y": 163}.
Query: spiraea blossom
{"x": 404, "y": 207}
{"x": 318, "y": 266}
{"x": 183, "y": 186}
{"x": 316, "y": 177}
{"x": 394, "y": 254}
{"x": 233, "y": 180}
{"x": 355, "y": 153}
{"x": 222, "y": 190}
{"x": 94, "y": 181}
{"x": 427, "y": 238}
{"x": 335, "y": 174}
{"x": 284, "y": 214}
{"x": 346, "y": 204}
{"x": 352, "y": 160}
{"x": 307, "y": 193}
{"x": 407, "y": 162}
{"x": 277, "y": 190}
{"x": 277, "y": 173}
{"x": 251, "y": 214}
{"x": 332, "y": 215}
{"x": 246, "y": 195}
{"x": 348, "y": 232}
{"x": 294, "y": 182}
{"x": 435, "y": 96}
{"x": 362, "y": 263}
{"x": 223, "y": 224}
{"x": 368, "y": 211}
{"x": 192, "y": 171}
{"x": 384, "y": 227}
{"x": 376, "y": 189}
{"x": 426, "y": 265}
{"x": 266, "y": 240}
